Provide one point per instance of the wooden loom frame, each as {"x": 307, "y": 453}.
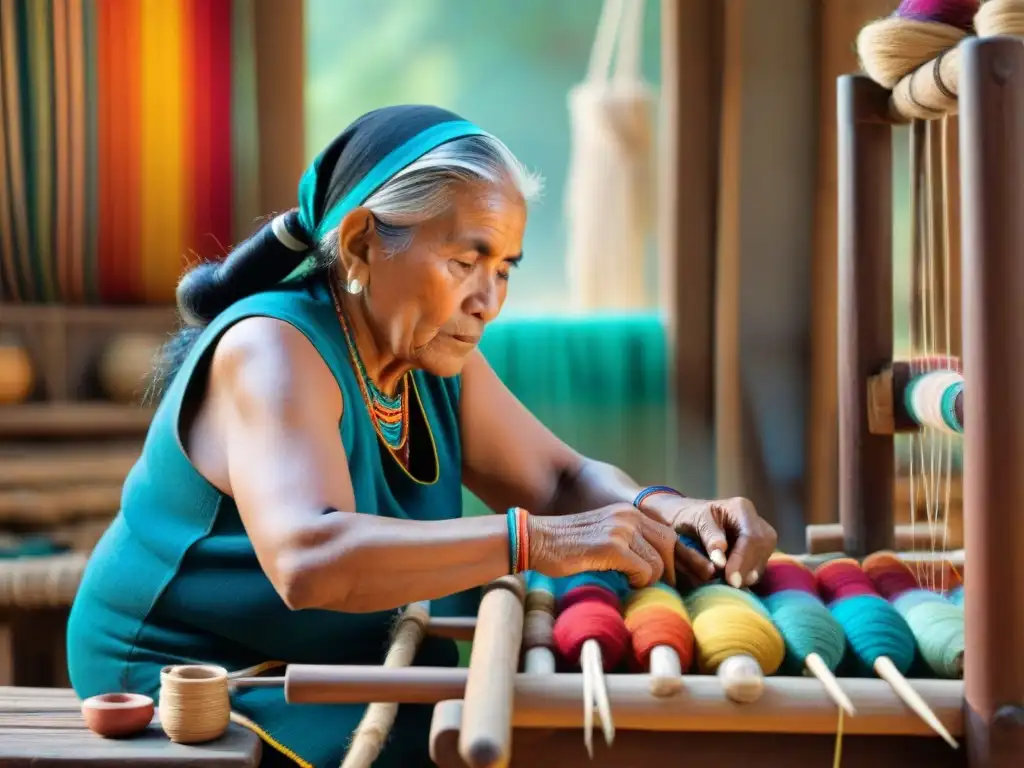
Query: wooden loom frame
{"x": 793, "y": 721}
{"x": 501, "y": 717}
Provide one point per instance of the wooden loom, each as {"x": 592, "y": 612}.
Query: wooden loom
{"x": 494, "y": 715}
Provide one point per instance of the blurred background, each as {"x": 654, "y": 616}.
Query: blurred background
{"x": 138, "y": 136}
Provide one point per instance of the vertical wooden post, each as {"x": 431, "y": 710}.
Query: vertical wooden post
{"x": 992, "y": 194}
{"x": 866, "y": 462}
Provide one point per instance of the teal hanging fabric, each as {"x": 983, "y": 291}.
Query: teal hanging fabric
{"x": 598, "y": 382}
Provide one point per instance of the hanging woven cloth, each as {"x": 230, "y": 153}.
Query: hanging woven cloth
{"x": 609, "y": 191}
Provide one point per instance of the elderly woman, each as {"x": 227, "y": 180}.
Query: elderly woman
{"x": 302, "y": 476}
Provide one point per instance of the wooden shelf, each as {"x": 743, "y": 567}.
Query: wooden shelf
{"x": 73, "y": 420}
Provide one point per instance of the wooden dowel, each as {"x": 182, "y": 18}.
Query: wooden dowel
{"x": 453, "y": 627}
{"x": 787, "y": 704}
{"x": 486, "y": 739}
{"x": 666, "y": 671}
{"x": 742, "y": 679}
{"x": 829, "y": 537}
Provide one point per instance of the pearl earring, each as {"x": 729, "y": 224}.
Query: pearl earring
{"x": 354, "y": 286}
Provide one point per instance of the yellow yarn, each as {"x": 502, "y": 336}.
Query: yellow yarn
{"x": 654, "y": 597}
{"x": 729, "y": 622}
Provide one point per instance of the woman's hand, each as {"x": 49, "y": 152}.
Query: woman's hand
{"x": 734, "y": 535}
{"x": 618, "y": 537}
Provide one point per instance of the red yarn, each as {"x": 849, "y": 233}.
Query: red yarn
{"x": 595, "y": 620}
{"x": 890, "y": 575}
{"x": 586, "y": 594}
{"x": 955, "y": 13}
{"x": 839, "y": 579}
{"x": 659, "y": 626}
{"x": 782, "y": 575}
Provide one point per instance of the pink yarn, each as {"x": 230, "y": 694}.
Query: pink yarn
{"x": 955, "y": 13}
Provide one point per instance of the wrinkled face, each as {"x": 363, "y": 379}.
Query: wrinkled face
{"x": 429, "y": 303}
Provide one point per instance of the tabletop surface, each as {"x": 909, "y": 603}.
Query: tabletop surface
{"x": 44, "y": 726}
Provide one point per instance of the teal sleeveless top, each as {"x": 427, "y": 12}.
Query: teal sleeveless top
{"x": 175, "y": 578}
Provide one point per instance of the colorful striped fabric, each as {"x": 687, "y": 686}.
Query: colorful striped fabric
{"x": 127, "y": 144}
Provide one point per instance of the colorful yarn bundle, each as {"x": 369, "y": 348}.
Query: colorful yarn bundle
{"x": 539, "y": 624}
{"x": 662, "y": 636}
{"x": 874, "y": 629}
{"x": 936, "y": 399}
{"x": 876, "y": 634}
{"x": 814, "y": 640}
{"x": 589, "y": 606}
{"x": 790, "y": 593}
{"x": 734, "y": 635}
{"x": 590, "y": 632}
{"x": 936, "y": 623}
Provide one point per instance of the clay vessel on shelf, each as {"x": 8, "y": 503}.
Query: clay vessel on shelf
{"x": 115, "y": 715}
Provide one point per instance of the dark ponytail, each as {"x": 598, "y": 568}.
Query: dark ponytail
{"x": 257, "y": 264}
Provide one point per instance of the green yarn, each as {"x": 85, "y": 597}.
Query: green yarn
{"x": 938, "y": 627}
{"x": 874, "y": 628}
{"x": 808, "y": 627}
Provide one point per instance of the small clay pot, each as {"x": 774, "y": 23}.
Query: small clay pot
{"x": 117, "y": 714}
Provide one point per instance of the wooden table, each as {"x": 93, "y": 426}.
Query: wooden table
{"x": 43, "y": 727}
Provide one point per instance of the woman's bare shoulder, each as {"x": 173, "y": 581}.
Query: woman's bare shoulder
{"x": 266, "y": 361}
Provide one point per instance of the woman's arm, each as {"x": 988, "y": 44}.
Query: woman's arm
{"x": 275, "y": 409}
{"x": 511, "y": 459}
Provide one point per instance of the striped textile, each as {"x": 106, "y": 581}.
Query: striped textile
{"x": 127, "y": 144}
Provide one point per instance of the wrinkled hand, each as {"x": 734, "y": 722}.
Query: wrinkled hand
{"x": 618, "y": 537}
{"x": 734, "y": 535}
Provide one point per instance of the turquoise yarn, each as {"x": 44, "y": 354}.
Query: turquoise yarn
{"x": 538, "y": 582}
{"x": 956, "y": 596}
{"x": 938, "y": 626}
{"x": 808, "y": 627}
{"x": 874, "y": 628}
{"x": 613, "y": 581}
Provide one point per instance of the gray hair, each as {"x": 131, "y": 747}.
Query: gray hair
{"x": 422, "y": 190}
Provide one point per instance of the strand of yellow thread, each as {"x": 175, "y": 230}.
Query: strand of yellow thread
{"x": 729, "y": 622}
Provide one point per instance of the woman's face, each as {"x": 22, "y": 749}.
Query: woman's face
{"x": 428, "y": 304}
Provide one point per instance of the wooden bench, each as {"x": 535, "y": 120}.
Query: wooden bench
{"x": 42, "y": 727}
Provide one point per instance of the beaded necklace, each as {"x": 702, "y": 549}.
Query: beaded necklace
{"x": 389, "y": 413}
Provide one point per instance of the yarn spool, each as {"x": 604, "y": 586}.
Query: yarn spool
{"x": 814, "y": 640}
{"x": 878, "y": 637}
{"x": 589, "y": 616}
{"x": 539, "y": 625}
{"x": 734, "y": 635}
{"x": 917, "y": 32}
{"x": 194, "y": 703}
{"x": 116, "y": 715}
{"x": 936, "y": 623}
{"x": 17, "y": 376}
{"x": 126, "y": 365}
{"x": 589, "y": 632}
{"x": 662, "y": 636}
{"x": 735, "y": 638}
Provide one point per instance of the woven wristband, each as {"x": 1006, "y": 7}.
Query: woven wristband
{"x": 512, "y": 520}
{"x": 653, "y": 490}
{"x": 523, "y": 539}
